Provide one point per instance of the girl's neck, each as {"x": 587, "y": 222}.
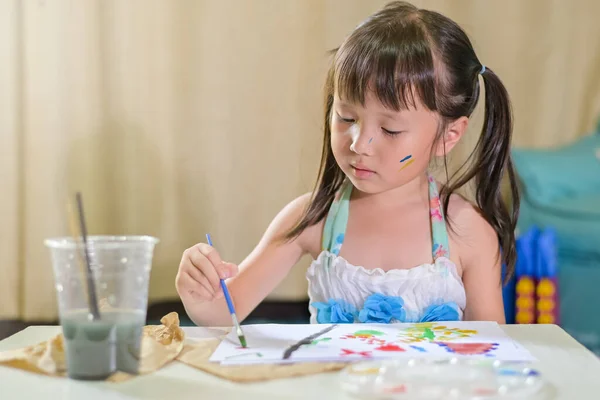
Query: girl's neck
{"x": 416, "y": 190}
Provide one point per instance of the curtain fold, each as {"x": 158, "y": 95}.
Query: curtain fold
{"x": 177, "y": 118}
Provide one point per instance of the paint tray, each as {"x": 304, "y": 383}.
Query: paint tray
{"x": 421, "y": 379}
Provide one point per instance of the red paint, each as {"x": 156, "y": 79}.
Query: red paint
{"x": 347, "y": 352}
{"x": 396, "y": 389}
{"x": 390, "y": 347}
{"x": 468, "y": 349}
{"x": 484, "y": 392}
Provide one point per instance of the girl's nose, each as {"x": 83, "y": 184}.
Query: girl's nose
{"x": 361, "y": 140}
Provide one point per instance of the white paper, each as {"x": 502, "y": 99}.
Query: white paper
{"x": 351, "y": 342}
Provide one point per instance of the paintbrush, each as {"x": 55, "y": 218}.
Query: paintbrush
{"x": 236, "y": 324}
{"x": 74, "y": 229}
{"x": 92, "y": 298}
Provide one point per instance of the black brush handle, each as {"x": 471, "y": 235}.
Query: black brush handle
{"x": 92, "y": 298}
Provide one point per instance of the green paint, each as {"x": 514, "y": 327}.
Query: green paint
{"x": 428, "y": 334}
{"x": 96, "y": 348}
{"x": 325, "y": 339}
{"x": 243, "y": 355}
{"x": 368, "y": 332}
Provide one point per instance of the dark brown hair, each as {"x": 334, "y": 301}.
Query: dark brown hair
{"x": 401, "y": 52}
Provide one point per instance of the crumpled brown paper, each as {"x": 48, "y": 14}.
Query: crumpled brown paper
{"x": 160, "y": 345}
{"x": 198, "y": 353}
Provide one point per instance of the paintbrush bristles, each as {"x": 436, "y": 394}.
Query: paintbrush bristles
{"x": 242, "y": 340}
{"x": 238, "y": 330}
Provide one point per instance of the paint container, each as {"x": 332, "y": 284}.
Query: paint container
{"x": 420, "y": 379}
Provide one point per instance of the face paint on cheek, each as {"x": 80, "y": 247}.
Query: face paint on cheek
{"x": 409, "y": 160}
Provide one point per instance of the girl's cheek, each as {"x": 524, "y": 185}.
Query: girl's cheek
{"x": 338, "y": 136}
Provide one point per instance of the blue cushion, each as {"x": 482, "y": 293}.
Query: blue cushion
{"x": 576, "y": 222}
{"x": 569, "y": 171}
{"x": 579, "y": 275}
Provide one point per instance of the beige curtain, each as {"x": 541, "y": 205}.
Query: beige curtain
{"x": 180, "y": 117}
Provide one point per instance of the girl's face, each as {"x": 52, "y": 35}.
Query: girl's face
{"x": 379, "y": 148}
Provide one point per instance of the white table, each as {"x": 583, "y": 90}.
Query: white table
{"x": 573, "y": 371}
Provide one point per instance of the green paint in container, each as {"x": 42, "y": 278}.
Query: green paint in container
{"x": 95, "y": 349}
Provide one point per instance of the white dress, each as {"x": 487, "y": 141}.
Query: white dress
{"x": 342, "y": 292}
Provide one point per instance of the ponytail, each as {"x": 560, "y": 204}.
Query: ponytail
{"x": 492, "y": 161}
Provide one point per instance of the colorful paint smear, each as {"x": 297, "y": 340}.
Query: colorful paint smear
{"x": 396, "y": 389}
{"x": 368, "y": 336}
{"x": 484, "y": 392}
{"x": 389, "y": 347}
{"x": 432, "y": 331}
{"x": 406, "y": 158}
{"x": 348, "y": 352}
{"x": 257, "y": 354}
{"x": 317, "y": 341}
{"x": 370, "y": 140}
{"x": 468, "y": 349}
{"x": 368, "y": 333}
{"x": 406, "y": 165}
{"x": 516, "y": 372}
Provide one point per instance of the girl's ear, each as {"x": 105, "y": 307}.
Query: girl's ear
{"x": 452, "y": 135}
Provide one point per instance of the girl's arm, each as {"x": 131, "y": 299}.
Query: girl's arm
{"x": 265, "y": 267}
{"x": 480, "y": 260}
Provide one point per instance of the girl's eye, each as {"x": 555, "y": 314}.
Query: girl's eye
{"x": 391, "y": 133}
{"x": 346, "y": 120}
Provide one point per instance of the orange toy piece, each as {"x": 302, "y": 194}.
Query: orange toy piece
{"x": 525, "y": 302}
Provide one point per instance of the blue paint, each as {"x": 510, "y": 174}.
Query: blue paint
{"x": 370, "y": 140}
{"x": 514, "y": 372}
{"x": 418, "y": 348}
{"x": 406, "y": 158}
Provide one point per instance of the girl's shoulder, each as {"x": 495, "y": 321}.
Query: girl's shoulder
{"x": 310, "y": 238}
{"x": 470, "y": 233}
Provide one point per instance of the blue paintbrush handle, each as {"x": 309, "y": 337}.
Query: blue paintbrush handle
{"x": 223, "y": 285}
{"x": 227, "y": 297}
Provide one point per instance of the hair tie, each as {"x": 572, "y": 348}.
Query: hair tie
{"x": 482, "y": 69}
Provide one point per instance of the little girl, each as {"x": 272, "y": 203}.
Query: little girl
{"x": 389, "y": 244}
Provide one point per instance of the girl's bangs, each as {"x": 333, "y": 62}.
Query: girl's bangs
{"x": 396, "y": 65}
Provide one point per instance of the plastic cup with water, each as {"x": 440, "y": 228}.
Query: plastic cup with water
{"x": 120, "y": 269}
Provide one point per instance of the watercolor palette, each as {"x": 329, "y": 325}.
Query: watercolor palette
{"x": 455, "y": 378}
{"x": 277, "y": 343}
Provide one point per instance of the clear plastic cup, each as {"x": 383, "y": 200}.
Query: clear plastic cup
{"x": 120, "y": 265}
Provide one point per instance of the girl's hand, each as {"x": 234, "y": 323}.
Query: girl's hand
{"x": 201, "y": 267}
{"x": 200, "y": 272}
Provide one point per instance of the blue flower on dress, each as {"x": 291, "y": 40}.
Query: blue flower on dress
{"x": 335, "y": 312}
{"x": 379, "y": 308}
{"x": 337, "y": 246}
{"x": 441, "y": 312}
